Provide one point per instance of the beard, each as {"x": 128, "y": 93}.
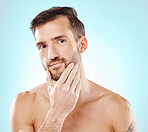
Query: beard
{"x": 57, "y": 71}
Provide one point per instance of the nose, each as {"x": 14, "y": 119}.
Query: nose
{"x": 52, "y": 53}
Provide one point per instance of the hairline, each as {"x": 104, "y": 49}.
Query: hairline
{"x": 56, "y": 17}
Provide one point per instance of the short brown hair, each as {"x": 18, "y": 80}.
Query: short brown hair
{"x": 52, "y": 13}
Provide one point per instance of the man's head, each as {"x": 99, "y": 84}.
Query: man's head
{"x": 60, "y": 38}
{"x": 76, "y": 25}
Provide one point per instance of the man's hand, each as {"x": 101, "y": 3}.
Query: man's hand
{"x": 64, "y": 94}
{"x": 63, "y": 97}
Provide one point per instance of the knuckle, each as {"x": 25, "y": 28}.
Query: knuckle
{"x": 58, "y": 86}
{"x": 69, "y": 81}
{"x": 65, "y": 91}
{"x": 66, "y": 85}
{"x": 71, "y": 92}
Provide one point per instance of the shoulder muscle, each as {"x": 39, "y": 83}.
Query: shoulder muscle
{"x": 121, "y": 114}
{"x": 21, "y": 111}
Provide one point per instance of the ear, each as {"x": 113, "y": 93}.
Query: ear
{"x": 82, "y": 44}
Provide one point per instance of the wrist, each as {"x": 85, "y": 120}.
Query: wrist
{"x": 57, "y": 114}
{"x": 52, "y": 122}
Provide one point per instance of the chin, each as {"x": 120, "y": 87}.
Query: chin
{"x": 57, "y": 71}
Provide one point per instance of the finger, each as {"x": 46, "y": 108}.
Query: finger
{"x": 49, "y": 79}
{"x": 78, "y": 88}
{"x": 71, "y": 77}
{"x": 65, "y": 74}
{"x": 75, "y": 81}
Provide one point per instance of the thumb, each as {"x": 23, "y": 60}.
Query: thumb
{"x": 49, "y": 79}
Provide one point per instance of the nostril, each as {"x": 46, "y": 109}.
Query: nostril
{"x": 52, "y": 53}
{"x": 55, "y": 59}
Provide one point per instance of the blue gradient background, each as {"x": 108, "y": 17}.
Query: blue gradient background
{"x": 116, "y": 58}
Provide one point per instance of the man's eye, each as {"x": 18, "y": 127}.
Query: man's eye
{"x": 61, "y": 41}
{"x": 42, "y": 46}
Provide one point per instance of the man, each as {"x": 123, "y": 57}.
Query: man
{"x": 68, "y": 101}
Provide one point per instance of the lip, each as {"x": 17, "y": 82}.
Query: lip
{"x": 55, "y": 63}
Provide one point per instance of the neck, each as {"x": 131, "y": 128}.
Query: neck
{"x": 85, "y": 86}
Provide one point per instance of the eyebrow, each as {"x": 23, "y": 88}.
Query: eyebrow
{"x": 58, "y": 37}
{"x": 54, "y": 38}
{"x": 40, "y": 43}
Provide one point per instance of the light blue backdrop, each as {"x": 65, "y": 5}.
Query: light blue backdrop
{"x": 116, "y": 58}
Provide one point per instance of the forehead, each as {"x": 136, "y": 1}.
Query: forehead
{"x": 59, "y": 26}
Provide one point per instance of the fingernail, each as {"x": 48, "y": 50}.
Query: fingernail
{"x": 72, "y": 64}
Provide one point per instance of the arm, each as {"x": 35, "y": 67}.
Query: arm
{"x": 122, "y": 116}
{"x": 63, "y": 97}
{"x": 53, "y": 122}
{"x": 132, "y": 125}
{"x": 20, "y": 114}
{"x": 127, "y": 122}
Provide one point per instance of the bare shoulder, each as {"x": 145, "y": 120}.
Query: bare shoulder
{"x": 21, "y": 113}
{"x": 27, "y": 98}
{"x": 116, "y": 102}
{"x": 110, "y": 99}
{"x": 119, "y": 112}
{"x": 115, "y": 109}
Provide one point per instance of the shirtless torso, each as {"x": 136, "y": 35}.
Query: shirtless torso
{"x": 104, "y": 111}
{"x": 68, "y": 101}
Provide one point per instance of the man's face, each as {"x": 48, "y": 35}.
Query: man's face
{"x": 57, "y": 46}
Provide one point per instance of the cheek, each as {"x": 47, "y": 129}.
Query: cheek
{"x": 43, "y": 57}
{"x": 69, "y": 50}
{"x": 67, "y": 54}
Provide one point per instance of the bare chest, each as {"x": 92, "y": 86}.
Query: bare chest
{"x": 85, "y": 122}
{"x": 84, "y": 119}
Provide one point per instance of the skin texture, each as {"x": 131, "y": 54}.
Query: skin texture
{"x": 68, "y": 101}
